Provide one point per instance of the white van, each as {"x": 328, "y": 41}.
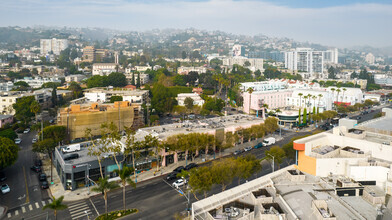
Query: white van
{"x": 269, "y": 141}
{"x": 71, "y": 148}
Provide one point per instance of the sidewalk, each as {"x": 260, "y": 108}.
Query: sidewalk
{"x": 57, "y": 189}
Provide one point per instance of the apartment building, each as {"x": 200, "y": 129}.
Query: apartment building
{"x": 103, "y": 69}
{"x": 103, "y": 95}
{"x": 197, "y": 100}
{"x": 37, "y": 82}
{"x": 53, "y": 45}
{"x": 91, "y": 54}
{"x": 273, "y": 98}
{"x": 77, "y": 118}
{"x": 305, "y": 60}
{"x": 144, "y": 78}
{"x": 331, "y": 56}
{"x": 184, "y": 70}
{"x": 6, "y": 86}
{"x": 255, "y": 64}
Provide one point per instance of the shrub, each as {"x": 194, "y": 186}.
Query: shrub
{"x": 116, "y": 214}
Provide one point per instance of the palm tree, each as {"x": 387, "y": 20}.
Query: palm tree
{"x": 318, "y": 105}
{"x": 56, "y": 204}
{"x": 300, "y": 99}
{"x": 264, "y": 107}
{"x": 104, "y": 186}
{"x": 338, "y": 91}
{"x": 333, "y": 91}
{"x": 35, "y": 108}
{"x": 344, "y": 90}
{"x": 250, "y": 91}
{"x": 125, "y": 174}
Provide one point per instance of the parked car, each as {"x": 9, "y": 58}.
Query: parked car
{"x": 172, "y": 176}
{"x": 247, "y": 148}
{"x": 44, "y": 185}
{"x": 18, "y": 141}
{"x": 27, "y": 130}
{"x": 237, "y": 152}
{"x": 269, "y": 141}
{"x": 2, "y": 177}
{"x": 34, "y": 140}
{"x": 178, "y": 169}
{"x": 258, "y": 145}
{"x": 179, "y": 182}
{"x": 71, "y": 148}
{"x": 190, "y": 166}
{"x": 38, "y": 162}
{"x": 42, "y": 177}
{"x": 358, "y": 117}
{"x": 36, "y": 169}
{"x": 5, "y": 189}
{"x": 51, "y": 121}
{"x": 71, "y": 156}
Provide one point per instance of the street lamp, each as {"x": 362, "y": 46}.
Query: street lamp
{"x": 136, "y": 175}
{"x": 273, "y": 161}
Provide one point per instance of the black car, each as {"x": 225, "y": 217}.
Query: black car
{"x": 2, "y": 177}
{"x": 42, "y": 177}
{"x": 178, "y": 169}
{"x": 71, "y": 156}
{"x": 36, "y": 169}
{"x": 190, "y": 166}
{"x": 38, "y": 162}
{"x": 172, "y": 176}
{"x": 44, "y": 185}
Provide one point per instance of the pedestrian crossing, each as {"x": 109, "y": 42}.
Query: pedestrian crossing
{"x": 26, "y": 208}
{"x": 79, "y": 210}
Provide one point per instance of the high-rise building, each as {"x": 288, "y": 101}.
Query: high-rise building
{"x": 304, "y": 60}
{"x": 370, "y": 59}
{"x": 53, "y": 45}
{"x": 238, "y": 50}
{"x": 331, "y": 56}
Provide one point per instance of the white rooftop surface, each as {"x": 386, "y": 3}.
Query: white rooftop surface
{"x": 200, "y": 126}
{"x": 384, "y": 124}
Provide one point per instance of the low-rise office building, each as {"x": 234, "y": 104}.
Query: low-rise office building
{"x": 38, "y": 81}
{"x": 197, "y": 100}
{"x": 104, "y": 69}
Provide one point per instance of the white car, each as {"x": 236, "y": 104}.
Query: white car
{"x": 18, "y": 141}
{"x": 26, "y": 131}
{"x": 5, "y": 189}
{"x": 34, "y": 140}
{"x": 248, "y": 148}
{"x": 179, "y": 182}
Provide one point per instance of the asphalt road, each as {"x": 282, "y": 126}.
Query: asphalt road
{"x": 24, "y": 183}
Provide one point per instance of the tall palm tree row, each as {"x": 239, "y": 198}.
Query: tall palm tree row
{"x": 250, "y": 91}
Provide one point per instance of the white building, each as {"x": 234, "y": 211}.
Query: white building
{"x": 6, "y": 86}
{"x": 53, "y": 45}
{"x": 184, "y": 70}
{"x": 304, "y": 60}
{"x": 7, "y": 99}
{"x": 197, "y": 100}
{"x": 346, "y": 95}
{"x": 238, "y": 50}
{"x": 263, "y": 86}
{"x": 75, "y": 78}
{"x": 331, "y": 56}
{"x": 370, "y": 59}
{"x": 319, "y": 99}
{"x": 144, "y": 78}
{"x": 255, "y": 63}
{"x": 38, "y": 81}
{"x": 103, "y": 69}
{"x": 104, "y": 94}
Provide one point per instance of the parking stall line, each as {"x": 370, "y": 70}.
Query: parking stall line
{"x": 9, "y": 215}
{"x": 37, "y": 205}
{"x": 23, "y": 209}
{"x": 16, "y": 212}
{"x": 30, "y": 207}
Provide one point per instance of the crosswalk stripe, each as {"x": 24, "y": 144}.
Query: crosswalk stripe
{"x": 37, "y": 205}
{"x": 16, "y": 212}
{"x": 9, "y": 215}
{"x": 23, "y": 209}
{"x": 30, "y": 207}
{"x": 78, "y": 207}
{"x": 79, "y": 211}
{"x": 43, "y": 203}
{"x": 80, "y": 215}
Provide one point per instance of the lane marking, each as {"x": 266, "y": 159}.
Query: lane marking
{"x": 37, "y": 205}
{"x": 94, "y": 206}
{"x": 23, "y": 209}
{"x": 30, "y": 207}
{"x": 27, "y": 188}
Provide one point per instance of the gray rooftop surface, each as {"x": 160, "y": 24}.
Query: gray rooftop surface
{"x": 384, "y": 124}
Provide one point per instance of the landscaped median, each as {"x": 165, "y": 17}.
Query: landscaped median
{"x": 116, "y": 214}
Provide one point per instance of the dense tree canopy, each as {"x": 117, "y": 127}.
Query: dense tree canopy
{"x": 22, "y": 108}
{"x": 8, "y": 152}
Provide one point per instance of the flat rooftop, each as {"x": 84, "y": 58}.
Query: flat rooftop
{"x": 384, "y": 124}
{"x": 293, "y": 196}
{"x": 199, "y": 125}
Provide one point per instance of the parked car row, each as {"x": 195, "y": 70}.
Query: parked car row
{"x": 173, "y": 174}
{"x": 41, "y": 176}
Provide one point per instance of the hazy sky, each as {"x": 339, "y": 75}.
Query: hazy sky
{"x": 341, "y": 23}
